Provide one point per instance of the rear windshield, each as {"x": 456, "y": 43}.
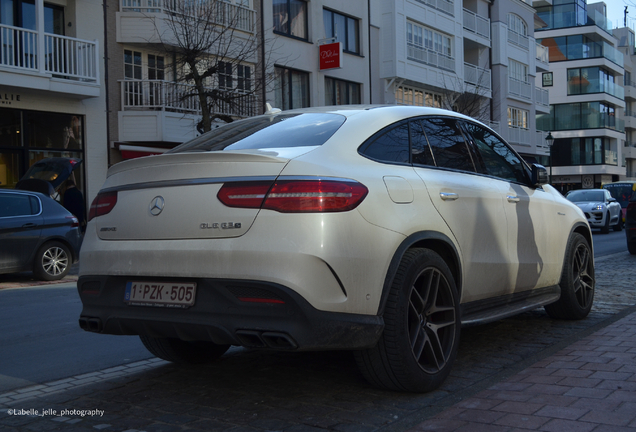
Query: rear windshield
{"x": 267, "y": 131}
{"x": 579, "y": 196}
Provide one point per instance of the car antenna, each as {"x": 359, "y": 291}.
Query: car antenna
{"x": 269, "y": 110}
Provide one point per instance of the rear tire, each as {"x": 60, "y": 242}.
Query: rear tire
{"x": 631, "y": 247}
{"x": 619, "y": 225}
{"x": 422, "y": 324}
{"x": 183, "y": 352}
{"x": 52, "y": 261}
{"x": 577, "y": 282}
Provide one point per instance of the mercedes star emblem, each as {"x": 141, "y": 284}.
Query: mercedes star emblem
{"x": 156, "y": 205}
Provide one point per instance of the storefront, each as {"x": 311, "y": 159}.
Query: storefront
{"x": 27, "y": 136}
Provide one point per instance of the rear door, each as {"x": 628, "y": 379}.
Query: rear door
{"x": 20, "y": 228}
{"x": 471, "y": 205}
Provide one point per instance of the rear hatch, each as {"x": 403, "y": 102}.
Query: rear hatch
{"x": 174, "y": 196}
{"x": 50, "y": 170}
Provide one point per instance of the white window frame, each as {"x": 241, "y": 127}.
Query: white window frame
{"x": 417, "y": 97}
{"x": 518, "y": 70}
{"x": 517, "y": 24}
{"x": 426, "y": 38}
{"x": 518, "y": 118}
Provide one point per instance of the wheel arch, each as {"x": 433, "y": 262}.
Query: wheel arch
{"x": 584, "y": 230}
{"x": 438, "y": 242}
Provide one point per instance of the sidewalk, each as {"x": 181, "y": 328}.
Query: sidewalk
{"x": 588, "y": 386}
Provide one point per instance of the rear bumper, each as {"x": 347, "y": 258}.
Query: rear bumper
{"x": 289, "y": 322}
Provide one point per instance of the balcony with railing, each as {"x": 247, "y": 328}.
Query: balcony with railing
{"x": 163, "y": 107}
{"x": 543, "y": 57}
{"x": 441, "y": 5}
{"x": 630, "y": 119}
{"x": 477, "y": 26}
{"x": 140, "y": 20}
{"x": 48, "y": 61}
{"x": 518, "y": 39}
{"x": 478, "y": 77}
{"x": 630, "y": 90}
{"x": 542, "y": 99}
{"x": 430, "y": 57}
{"x": 519, "y": 89}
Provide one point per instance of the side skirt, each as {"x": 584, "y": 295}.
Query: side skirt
{"x": 493, "y": 309}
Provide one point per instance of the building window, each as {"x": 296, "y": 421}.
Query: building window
{"x": 244, "y": 78}
{"x": 517, "y": 118}
{"x": 292, "y": 88}
{"x": 429, "y": 46}
{"x": 517, "y": 25}
{"x": 224, "y": 72}
{"x": 584, "y": 151}
{"x": 412, "y": 96}
{"x": 583, "y": 115}
{"x": 29, "y": 136}
{"x": 627, "y": 79}
{"x": 290, "y": 18}
{"x": 339, "y": 92}
{"x": 344, "y": 29}
{"x": 518, "y": 71}
{"x": 591, "y": 80}
{"x": 132, "y": 65}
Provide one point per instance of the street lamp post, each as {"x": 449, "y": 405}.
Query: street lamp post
{"x": 550, "y": 140}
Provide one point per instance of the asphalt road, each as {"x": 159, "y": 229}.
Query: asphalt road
{"x": 608, "y": 244}
{"x": 41, "y": 339}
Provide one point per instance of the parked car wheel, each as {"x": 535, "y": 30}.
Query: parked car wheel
{"x": 619, "y": 225}
{"x": 179, "y": 351}
{"x": 422, "y": 325}
{"x": 52, "y": 262}
{"x": 577, "y": 282}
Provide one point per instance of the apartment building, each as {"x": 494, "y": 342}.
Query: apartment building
{"x": 317, "y": 52}
{"x": 153, "y": 105}
{"x": 626, "y": 45}
{"x": 586, "y": 96}
{"x": 473, "y": 56}
{"x": 51, "y": 77}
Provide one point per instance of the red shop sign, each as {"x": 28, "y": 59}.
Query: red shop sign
{"x": 331, "y": 56}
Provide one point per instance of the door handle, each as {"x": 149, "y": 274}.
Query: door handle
{"x": 448, "y": 196}
{"x": 29, "y": 225}
{"x": 513, "y": 199}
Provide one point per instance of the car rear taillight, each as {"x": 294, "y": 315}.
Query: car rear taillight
{"x": 74, "y": 221}
{"x": 103, "y": 203}
{"x": 295, "y": 196}
{"x": 244, "y": 194}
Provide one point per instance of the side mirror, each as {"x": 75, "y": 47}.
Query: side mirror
{"x": 539, "y": 175}
{"x": 612, "y": 200}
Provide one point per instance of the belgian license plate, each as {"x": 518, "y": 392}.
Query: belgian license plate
{"x": 162, "y": 294}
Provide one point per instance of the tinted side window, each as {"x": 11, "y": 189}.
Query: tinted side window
{"x": 389, "y": 145}
{"x": 420, "y": 151}
{"x": 18, "y": 205}
{"x": 447, "y": 144}
{"x": 497, "y": 158}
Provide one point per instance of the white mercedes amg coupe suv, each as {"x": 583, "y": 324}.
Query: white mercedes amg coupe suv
{"x": 377, "y": 229}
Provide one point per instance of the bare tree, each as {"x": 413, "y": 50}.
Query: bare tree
{"x": 469, "y": 96}
{"x": 214, "y": 49}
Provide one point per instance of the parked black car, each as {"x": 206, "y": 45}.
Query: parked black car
{"x": 38, "y": 234}
{"x": 630, "y": 224}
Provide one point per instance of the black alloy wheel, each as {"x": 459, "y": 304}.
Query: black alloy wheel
{"x": 577, "y": 281}
{"x": 422, "y": 324}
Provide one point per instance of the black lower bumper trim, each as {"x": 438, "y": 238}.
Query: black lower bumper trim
{"x": 288, "y": 322}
